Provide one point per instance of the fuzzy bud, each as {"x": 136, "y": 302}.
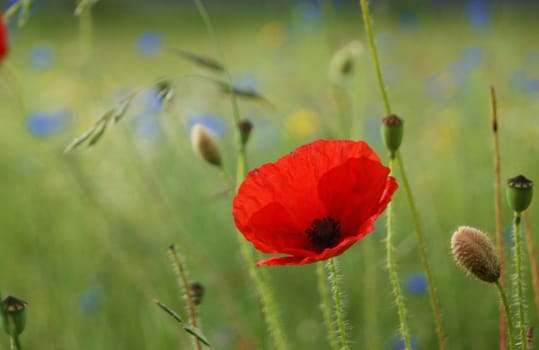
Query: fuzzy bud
{"x": 197, "y": 292}
{"x": 204, "y": 144}
{"x": 14, "y": 315}
{"x": 392, "y": 131}
{"x": 473, "y": 250}
{"x": 519, "y": 193}
{"x": 245, "y": 127}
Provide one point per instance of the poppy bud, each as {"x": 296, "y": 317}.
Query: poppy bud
{"x": 204, "y": 144}
{"x": 392, "y": 130}
{"x": 519, "y": 193}
{"x": 197, "y": 292}
{"x": 343, "y": 61}
{"x": 473, "y": 250}
{"x": 14, "y": 315}
{"x": 245, "y": 127}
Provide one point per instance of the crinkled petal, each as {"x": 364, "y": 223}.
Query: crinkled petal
{"x": 353, "y": 192}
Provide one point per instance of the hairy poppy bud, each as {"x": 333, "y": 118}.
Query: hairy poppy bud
{"x": 197, "y": 292}
{"x": 204, "y": 144}
{"x": 392, "y": 130}
{"x": 245, "y": 127}
{"x": 14, "y": 315}
{"x": 519, "y": 193}
{"x": 473, "y": 250}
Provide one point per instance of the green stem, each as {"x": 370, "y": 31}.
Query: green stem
{"x": 369, "y": 253}
{"x": 423, "y": 252}
{"x": 399, "y": 299}
{"x": 337, "y": 300}
{"x": 15, "y": 343}
{"x": 508, "y": 315}
{"x": 419, "y": 235}
{"x": 370, "y": 36}
{"x": 517, "y": 255}
{"x": 267, "y": 299}
{"x": 326, "y": 306}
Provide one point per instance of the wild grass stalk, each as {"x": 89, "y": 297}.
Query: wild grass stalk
{"x": 262, "y": 287}
{"x": 498, "y": 210}
{"x": 419, "y": 235}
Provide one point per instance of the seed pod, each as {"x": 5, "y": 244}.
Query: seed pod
{"x": 245, "y": 127}
{"x": 473, "y": 250}
{"x": 519, "y": 193}
{"x": 204, "y": 144}
{"x": 392, "y": 131}
{"x": 14, "y": 315}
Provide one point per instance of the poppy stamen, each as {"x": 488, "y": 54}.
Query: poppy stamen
{"x": 324, "y": 233}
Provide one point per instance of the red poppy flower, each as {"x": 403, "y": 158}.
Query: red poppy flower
{"x": 3, "y": 38}
{"x": 314, "y": 203}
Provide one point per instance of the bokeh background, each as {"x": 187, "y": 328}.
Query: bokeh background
{"x": 84, "y": 235}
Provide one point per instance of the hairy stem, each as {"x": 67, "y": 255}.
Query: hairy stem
{"x": 326, "y": 306}
{"x": 505, "y": 304}
{"x": 393, "y": 276}
{"x": 533, "y": 259}
{"x": 517, "y": 255}
{"x": 333, "y": 276}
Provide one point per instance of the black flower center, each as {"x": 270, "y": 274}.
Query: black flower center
{"x": 324, "y": 233}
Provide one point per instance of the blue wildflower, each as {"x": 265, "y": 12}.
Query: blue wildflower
{"x": 92, "y": 299}
{"x": 43, "y": 124}
{"x": 42, "y": 57}
{"x": 478, "y": 13}
{"x": 398, "y": 344}
{"x": 416, "y": 284}
{"x": 149, "y": 44}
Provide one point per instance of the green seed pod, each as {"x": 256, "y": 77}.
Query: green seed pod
{"x": 14, "y": 315}
{"x": 204, "y": 144}
{"x": 245, "y": 127}
{"x": 392, "y": 131}
{"x": 519, "y": 193}
{"x": 473, "y": 250}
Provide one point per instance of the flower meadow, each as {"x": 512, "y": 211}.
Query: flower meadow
{"x": 317, "y": 175}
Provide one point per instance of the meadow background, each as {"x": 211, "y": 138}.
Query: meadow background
{"x": 84, "y": 236}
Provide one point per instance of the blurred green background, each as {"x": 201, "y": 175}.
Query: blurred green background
{"x": 84, "y": 236}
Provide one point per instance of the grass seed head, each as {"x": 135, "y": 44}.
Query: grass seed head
{"x": 205, "y": 145}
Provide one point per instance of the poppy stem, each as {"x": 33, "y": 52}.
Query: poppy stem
{"x": 267, "y": 299}
{"x": 325, "y": 306}
{"x": 533, "y": 259}
{"x": 419, "y": 235}
{"x": 15, "y": 344}
{"x": 509, "y": 320}
{"x": 333, "y": 276}
{"x": 423, "y": 252}
{"x": 517, "y": 256}
{"x": 393, "y": 276}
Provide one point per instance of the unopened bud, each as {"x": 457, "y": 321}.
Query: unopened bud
{"x": 204, "y": 144}
{"x": 245, "y": 127}
{"x": 392, "y": 131}
{"x": 473, "y": 250}
{"x": 14, "y": 315}
{"x": 197, "y": 292}
{"x": 519, "y": 193}
{"x": 343, "y": 61}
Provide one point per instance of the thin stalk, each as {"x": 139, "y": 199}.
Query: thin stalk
{"x": 325, "y": 306}
{"x": 517, "y": 255}
{"x": 423, "y": 252}
{"x": 505, "y": 304}
{"x": 368, "y": 29}
{"x": 337, "y": 300}
{"x": 265, "y": 294}
{"x": 15, "y": 344}
{"x": 533, "y": 259}
{"x": 184, "y": 283}
{"x": 393, "y": 276}
{"x": 498, "y": 210}
{"x": 411, "y": 203}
